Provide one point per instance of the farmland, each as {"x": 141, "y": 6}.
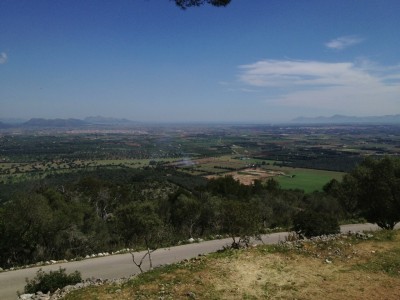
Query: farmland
{"x": 299, "y": 157}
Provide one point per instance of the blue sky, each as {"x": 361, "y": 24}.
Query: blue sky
{"x": 147, "y": 60}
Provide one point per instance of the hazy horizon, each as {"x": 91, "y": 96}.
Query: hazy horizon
{"x": 149, "y": 61}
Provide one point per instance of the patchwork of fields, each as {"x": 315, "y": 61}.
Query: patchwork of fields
{"x": 298, "y": 157}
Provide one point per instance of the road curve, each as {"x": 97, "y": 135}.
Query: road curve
{"x": 117, "y": 266}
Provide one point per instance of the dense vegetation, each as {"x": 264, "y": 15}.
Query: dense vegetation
{"x": 81, "y": 213}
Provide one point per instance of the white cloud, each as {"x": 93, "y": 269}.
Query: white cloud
{"x": 281, "y": 73}
{"x": 343, "y": 42}
{"x": 3, "y": 58}
{"x": 344, "y": 87}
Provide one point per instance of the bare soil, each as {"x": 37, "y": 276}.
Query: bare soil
{"x": 249, "y": 175}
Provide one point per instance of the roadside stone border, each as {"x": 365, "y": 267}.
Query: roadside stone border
{"x": 101, "y": 254}
{"x": 52, "y": 262}
{"x": 61, "y": 293}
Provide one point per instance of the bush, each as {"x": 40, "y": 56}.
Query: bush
{"x": 310, "y": 223}
{"x": 52, "y": 281}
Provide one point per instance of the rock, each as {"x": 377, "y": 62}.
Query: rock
{"x": 191, "y": 240}
{"x": 53, "y": 261}
{"x": 26, "y": 296}
{"x": 40, "y": 296}
{"x": 79, "y": 285}
{"x": 328, "y": 261}
{"x": 68, "y": 288}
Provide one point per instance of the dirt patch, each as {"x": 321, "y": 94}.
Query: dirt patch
{"x": 279, "y": 276}
{"x": 248, "y": 176}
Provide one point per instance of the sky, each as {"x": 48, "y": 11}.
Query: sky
{"x": 258, "y": 61}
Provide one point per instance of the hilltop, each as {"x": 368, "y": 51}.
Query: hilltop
{"x": 339, "y": 267}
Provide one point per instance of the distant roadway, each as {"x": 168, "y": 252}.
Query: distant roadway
{"x": 121, "y": 265}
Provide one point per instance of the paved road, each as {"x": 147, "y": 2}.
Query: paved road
{"x": 117, "y": 266}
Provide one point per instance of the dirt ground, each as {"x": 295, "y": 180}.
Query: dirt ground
{"x": 322, "y": 271}
{"x": 247, "y": 176}
{"x": 313, "y": 270}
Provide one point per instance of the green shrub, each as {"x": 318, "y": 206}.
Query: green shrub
{"x": 52, "y": 281}
{"x": 310, "y": 223}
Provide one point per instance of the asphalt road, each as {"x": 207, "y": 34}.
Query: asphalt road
{"x": 118, "y": 266}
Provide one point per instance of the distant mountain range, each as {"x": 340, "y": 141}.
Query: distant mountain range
{"x": 99, "y": 120}
{"x": 340, "y": 119}
{"x": 35, "y": 123}
{"x": 65, "y": 123}
{"x": 50, "y": 123}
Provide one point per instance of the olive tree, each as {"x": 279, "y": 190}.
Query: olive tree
{"x": 376, "y": 188}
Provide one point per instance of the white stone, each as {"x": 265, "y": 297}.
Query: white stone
{"x": 26, "y": 296}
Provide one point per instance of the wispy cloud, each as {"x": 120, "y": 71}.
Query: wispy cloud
{"x": 343, "y": 42}
{"x": 3, "y": 58}
{"x": 356, "y": 87}
{"x": 281, "y": 73}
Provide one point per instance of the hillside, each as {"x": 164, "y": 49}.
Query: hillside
{"x": 346, "y": 267}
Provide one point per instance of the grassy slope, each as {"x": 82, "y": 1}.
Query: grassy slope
{"x": 341, "y": 269}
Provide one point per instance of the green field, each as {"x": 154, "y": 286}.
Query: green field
{"x": 306, "y": 179}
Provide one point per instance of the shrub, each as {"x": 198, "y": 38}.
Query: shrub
{"x": 52, "y": 281}
{"x": 310, "y": 223}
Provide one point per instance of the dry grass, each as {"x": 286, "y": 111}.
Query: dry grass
{"x": 340, "y": 269}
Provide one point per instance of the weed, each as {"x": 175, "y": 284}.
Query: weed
{"x": 387, "y": 262}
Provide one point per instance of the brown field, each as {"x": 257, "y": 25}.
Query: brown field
{"x": 247, "y": 176}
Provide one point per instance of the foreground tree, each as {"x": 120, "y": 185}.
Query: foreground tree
{"x": 376, "y": 188}
{"x": 140, "y": 225}
{"x": 190, "y": 3}
{"x": 309, "y": 223}
{"x": 240, "y": 220}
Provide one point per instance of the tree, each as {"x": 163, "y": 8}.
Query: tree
{"x": 376, "y": 188}
{"x": 342, "y": 191}
{"x": 140, "y": 224}
{"x": 190, "y": 3}
{"x": 311, "y": 223}
{"x": 240, "y": 219}
{"x": 24, "y": 222}
{"x": 186, "y": 213}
